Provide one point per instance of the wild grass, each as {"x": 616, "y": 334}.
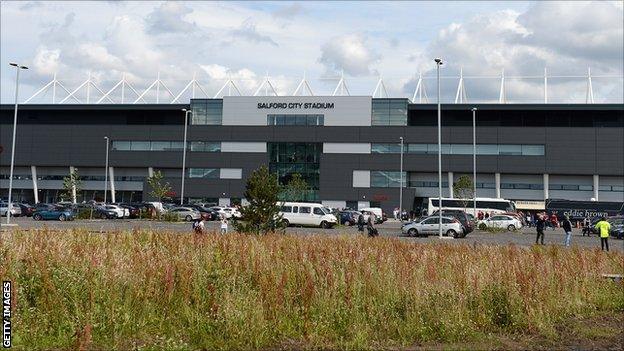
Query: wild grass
{"x": 155, "y": 290}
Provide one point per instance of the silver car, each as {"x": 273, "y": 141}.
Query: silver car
{"x": 16, "y": 210}
{"x": 429, "y": 226}
{"x": 186, "y": 213}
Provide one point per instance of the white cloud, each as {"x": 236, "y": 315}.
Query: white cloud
{"x": 46, "y": 61}
{"x": 170, "y": 18}
{"x": 350, "y": 53}
{"x": 249, "y": 32}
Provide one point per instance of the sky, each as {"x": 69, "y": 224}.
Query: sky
{"x": 285, "y": 41}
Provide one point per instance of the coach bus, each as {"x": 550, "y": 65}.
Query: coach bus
{"x": 484, "y": 204}
{"x": 579, "y": 210}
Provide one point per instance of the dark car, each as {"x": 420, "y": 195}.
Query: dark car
{"x": 462, "y": 217}
{"x": 206, "y": 213}
{"x": 53, "y": 212}
{"x": 134, "y": 211}
{"x": 27, "y": 210}
{"x": 617, "y": 227}
{"x": 348, "y": 217}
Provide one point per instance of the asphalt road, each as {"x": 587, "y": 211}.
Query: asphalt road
{"x": 391, "y": 228}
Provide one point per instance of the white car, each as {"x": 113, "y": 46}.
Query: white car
{"x": 500, "y": 221}
{"x": 307, "y": 214}
{"x": 430, "y": 226}
{"x": 16, "y": 210}
{"x": 232, "y": 212}
{"x": 222, "y": 212}
{"x": 120, "y": 211}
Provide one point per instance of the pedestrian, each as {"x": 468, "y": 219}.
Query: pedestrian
{"x": 586, "y": 226}
{"x": 396, "y": 213}
{"x": 198, "y": 226}
{"x": 554, "y": 221}
{"x": 487, "y": 215}
{"x": 360, "y": 222}
{"x": 224, "y": 225}
{"x": 529, "y": 220}
{"x": 539, "y": 226}
{"x": 567, "y": 228}
{"x": 370, "y": 225}
{"x": 603, "y": 228}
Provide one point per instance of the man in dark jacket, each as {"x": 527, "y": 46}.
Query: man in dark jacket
{"x": 540, "y": 225}
{"x": 360, "y": 223}
{"x": 567, "y": 228}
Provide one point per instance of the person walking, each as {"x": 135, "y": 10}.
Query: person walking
{"x": 224, "y": 225}
{"x": 370, "y": 225}
{"x": 603, "y": 228}
{"x": 198, "y": 226}
{"x": 567, "y": 228}
{"x": 539, "y": 226}
{"x": 360, "y": 222}
{"x": 528, "y": 219}
{"x": 554, "y": 221}
{"x": 586, "y": 226}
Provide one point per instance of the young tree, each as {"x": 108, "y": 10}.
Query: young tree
{"x": 464, "y": 189}
{"x": 261, "y": 215}
{"x": 296, "y": 189}
{"x": 71, "y": 185}
{"x": 159, "y": 189}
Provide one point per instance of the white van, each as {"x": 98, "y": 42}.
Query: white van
{"x": 308, "y": 214}
{"x": 376, "y": 210}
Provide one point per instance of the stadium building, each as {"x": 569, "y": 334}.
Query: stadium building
{"x": 345, "y": 147}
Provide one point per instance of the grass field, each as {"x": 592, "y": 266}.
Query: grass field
{"x": 151, "y": 290}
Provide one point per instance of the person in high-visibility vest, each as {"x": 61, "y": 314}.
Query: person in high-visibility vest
{"x": 603, "y": 228}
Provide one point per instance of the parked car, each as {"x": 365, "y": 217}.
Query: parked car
{"x": 430, "y": 226}
{"x": 617, "y": 227}
{"x": 186, "y": 213}
{"x": 53, "y": 212}
{"x": 500, "y": 221}
{"x": 27, "y": 210}
{"x": 348, "y": 217}
{"x": 133, "y": 211}
{"x": 104, "y": 213}
{"x": 119, "y": 211}
{"x": 307, "y": 214}
{"x": 380, "y": 215}
{"x": 461, "y": 216}
{"x": 16, "y": 211}
{"x": 232, "y": 211}
{"x": 206, "y": 213}
{"x": 221, "y": 211}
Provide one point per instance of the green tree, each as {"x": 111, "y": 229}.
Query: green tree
{"x": 71, "y": 183}
{"x": 159, "y": 189}
{"x": 261, "y": 215}
{"x": 296, "y": 189}
{"x": 463, "y": 189}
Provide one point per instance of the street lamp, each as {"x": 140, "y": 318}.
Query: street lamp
{"x": 106, "y": 170}
{"x": 438, "y": 62}
{"x": 401, "y": 184}
{"x": 18, "y": 67}
{"x": 474, "y": 162}
{"x": 186, "y": 114}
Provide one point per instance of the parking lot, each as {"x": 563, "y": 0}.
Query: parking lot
{"x": 524, "y": 237}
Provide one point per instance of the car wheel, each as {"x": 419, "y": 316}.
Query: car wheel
{"x": 61, "y": 218}
{"x": 511, "y": 227}
{"x": 37, "y": 217}
{"x": 188, "y": 218}
{"x": 412, "y": 232}
{"x": 285, "y": 222}
{"x": 482, "y": 226}
{"x": 324, "y": 225}
{"x": 452, "y": 233}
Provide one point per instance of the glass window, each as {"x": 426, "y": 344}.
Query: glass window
{"x": 386, "y": 148}
{"x": 318, "y": 211}
{"x": 431, "y": 221}
{"x": 533, "y": 150}
{"x": 160, "y": 145}
{"x": 461, "y": 149}
{"x": 140, "y": 146}
{"x": 569, "y": 187}
{"x": 176, "y": 146}
{"x": 417, "y": 148}
{"x": 604, "y": 188}
{"x": 387, "y": 179}
{"x": 617, "y": 188}
{"x": 121, "y": 145}
{"x": 286, "y": 208}
{"x": 585, "y": 187}
{"x": 304, "y": 209}
{"x": 487, "y": 149}
{"x": 509, "y": 149}
{"x": 208, "y": 173}
{"x": 389, "y": 112}
{"x": 295, "y": 209}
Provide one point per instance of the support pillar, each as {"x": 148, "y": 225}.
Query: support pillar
{"x": 596, "y": 186}
{"x": 150, "y": 171}
{"x": 497, "y": 185}
{"x": 111, "y": 177}
{"x": 33, "y": 171}
{"x": 71, "y": 171}
{"x": 545, "y": 186}
{"x": 450, "y": 184}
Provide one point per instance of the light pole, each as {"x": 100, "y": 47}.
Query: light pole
{"x": 401, "y": 184}
{"x": 18, "y": 67}
{"x": 106, "y": 171}
{"x": 186, "y": 113}
{"x": 474, "y": 162}
{"x": 438, "y": 62}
